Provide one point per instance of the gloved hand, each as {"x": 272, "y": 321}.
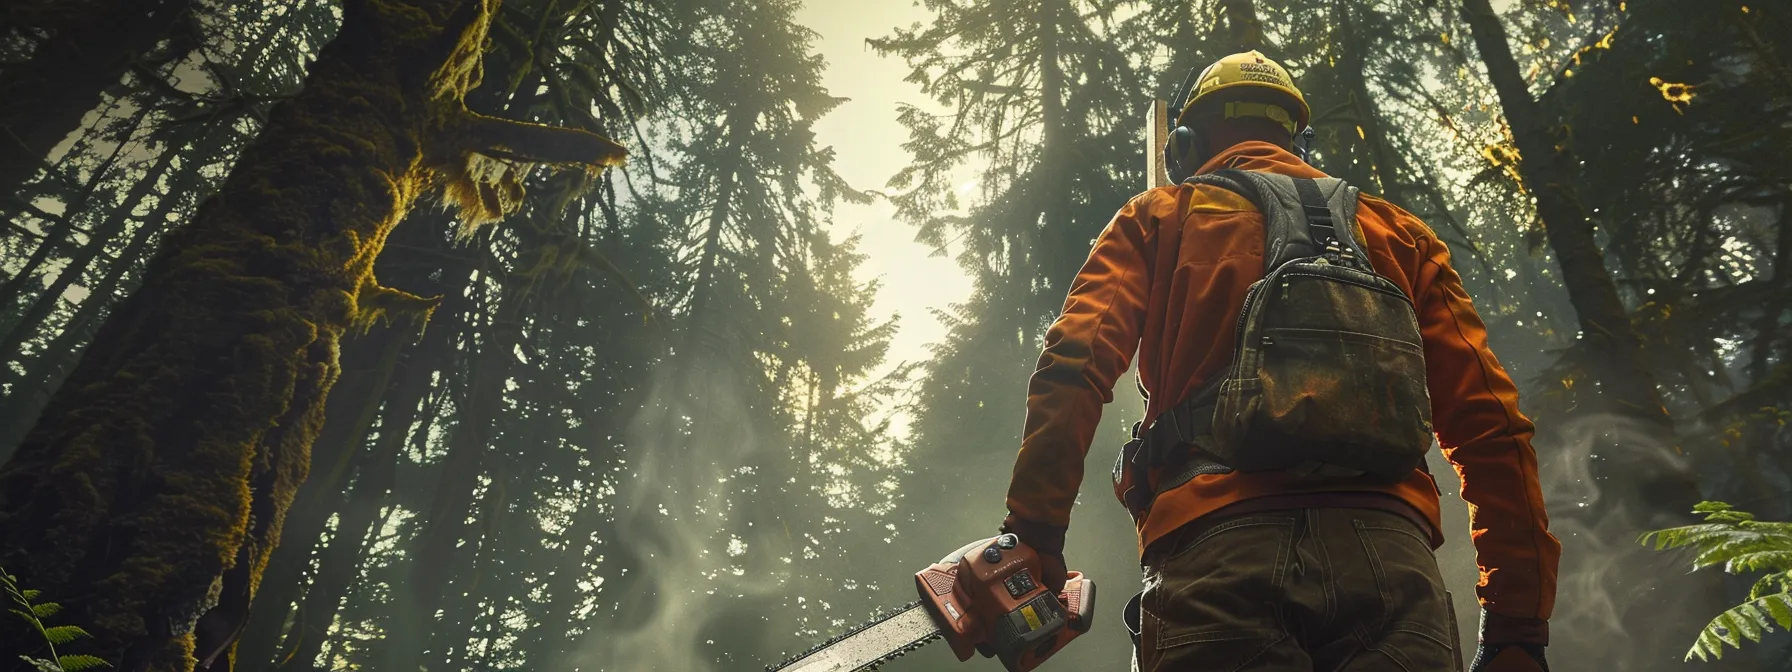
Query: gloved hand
{"x": 1509, "y": 658}
{"x": 1048, "y": 542}
{"x": 1511, "y": 644}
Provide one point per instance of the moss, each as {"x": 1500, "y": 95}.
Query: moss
{"x": 152, "y": 491}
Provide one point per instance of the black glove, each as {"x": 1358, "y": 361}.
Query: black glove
{"x": 1046, "y": 540}
{"x": 1511, "y": 644}
{"x": 1509, "y": 658}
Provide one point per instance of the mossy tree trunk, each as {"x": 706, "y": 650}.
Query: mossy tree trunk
{"x": 370, "y": 366}
{"x": 44, "y": 371}
{"x": 148, "y": 497}
{"x": 368, "y": 363}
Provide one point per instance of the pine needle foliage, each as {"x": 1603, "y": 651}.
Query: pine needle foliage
{"x": 1740, "y": 544}
{"x": 34, "y": 613}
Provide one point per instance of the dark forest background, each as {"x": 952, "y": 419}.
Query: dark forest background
{"x": 395, "y": 365}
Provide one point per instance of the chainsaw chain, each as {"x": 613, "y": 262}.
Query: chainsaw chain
{"x": 873, "y": 665}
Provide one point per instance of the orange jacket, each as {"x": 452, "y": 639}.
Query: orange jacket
{"x": 1474, "y": 403}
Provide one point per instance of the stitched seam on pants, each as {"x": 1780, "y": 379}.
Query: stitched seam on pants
{"x": 1381, "y": 578}
{"x": 1421, "y": 630}
{"x": 1218, "y": 636}
{"x": 1230, "y": 525}
{"x": 1415, "y": 535}
{"x": 1252, "y": 521}
{"x": 1328, "y": 580}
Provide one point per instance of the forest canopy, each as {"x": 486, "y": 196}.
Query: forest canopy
{"x": 531, "y": 334}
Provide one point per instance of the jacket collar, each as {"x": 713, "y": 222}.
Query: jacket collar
{"x": 1260, "y": 156}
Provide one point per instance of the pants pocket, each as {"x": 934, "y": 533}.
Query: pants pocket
{"x": 1415, "y": 624}
{"x": 1212, "y": 602}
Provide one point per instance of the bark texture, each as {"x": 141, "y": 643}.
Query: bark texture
{"x": 150, "y": 493}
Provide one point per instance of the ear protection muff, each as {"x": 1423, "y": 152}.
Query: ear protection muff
{"x": 1182, "y": 140}
{"x": 1179, "y": 153}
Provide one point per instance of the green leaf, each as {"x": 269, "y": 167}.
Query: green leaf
{"x": 42, "y": 665}
{"x": 76, "y": 663}
{"x": 46, "y": 609}
{"x": 25, "y": 615}
{"x": 30, "y": 594}
{"x": 1748, "y": 620}
{"x": 63, "y": 634}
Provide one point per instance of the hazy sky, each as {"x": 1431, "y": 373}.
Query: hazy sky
{"x": 868, "y": 145}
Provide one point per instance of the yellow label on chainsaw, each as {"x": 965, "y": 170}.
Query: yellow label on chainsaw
{"x": 1031, "y": 616}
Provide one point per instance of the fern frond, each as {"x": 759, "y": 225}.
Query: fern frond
{"x": 1770, "y": 584}
{"x": 28, "y": 618}
{"x": 30, "y": 594}
{"x": 41, "y": 664}
{"x": 46, "y": 609}
{"x": 1761, "y": 561}
{"x": 76, "y": 663}
{"x": 63, "y": 634}
{"x": 1748, "y": 620}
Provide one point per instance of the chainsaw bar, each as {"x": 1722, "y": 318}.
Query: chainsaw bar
{"x": 873, "y": 643}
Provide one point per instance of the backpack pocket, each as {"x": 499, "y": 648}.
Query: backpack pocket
{"x": 1330, "y": 372}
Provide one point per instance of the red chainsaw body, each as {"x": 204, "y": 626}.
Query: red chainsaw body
{"x": 988, "y": 597}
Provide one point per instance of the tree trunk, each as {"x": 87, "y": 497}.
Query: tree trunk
{"x": 337, "y": 561}
{"x": 1779, "y": 302}
{"x": 1244, "y": 31}
{"x": 367, "y": 367}
{"x": 43, "y": 375}
{"x": 1042, "y": 258}
{"x": 444, "y": 522}
{"x": 1625, "y": 380}
{"x": 548, "y": 640}
{"x": 57, "y": 235}
{"x": 148, "y": 497}
{"x": 1636, "y": 492}
{"x": 471, "y": 592}
{"x": 47, "y": 97}
{"x": 97, "y": 239}
{"x": 1384, "y": 162}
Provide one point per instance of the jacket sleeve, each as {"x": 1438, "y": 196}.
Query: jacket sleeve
{"x": 1086, "y": 350}
{"x": 1474, "y": 407}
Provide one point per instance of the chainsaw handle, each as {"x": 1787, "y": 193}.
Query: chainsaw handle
{"x": 1079, "y": 600}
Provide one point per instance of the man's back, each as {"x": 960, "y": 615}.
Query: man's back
{"x": 1184, "y": 336}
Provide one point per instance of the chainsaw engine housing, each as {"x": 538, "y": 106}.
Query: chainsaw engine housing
{"x": 987, "y": 597}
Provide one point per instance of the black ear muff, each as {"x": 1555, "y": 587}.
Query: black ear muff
{"x": 1177, "y": 154}
{"x": 1182, "y": 139}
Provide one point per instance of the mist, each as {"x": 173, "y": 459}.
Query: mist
{"x": 612, "y": 336}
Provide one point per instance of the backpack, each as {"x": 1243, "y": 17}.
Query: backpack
{"x": 1327, "y": 377}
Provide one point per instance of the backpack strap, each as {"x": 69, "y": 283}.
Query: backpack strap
{"x": 1299, "y": 221}
{"x": 1323, "y": 214}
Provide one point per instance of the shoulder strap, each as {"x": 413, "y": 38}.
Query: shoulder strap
{"x": 1300, "y": 215}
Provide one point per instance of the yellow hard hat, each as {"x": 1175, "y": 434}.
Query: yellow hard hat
{"x": 1255, "y": 70}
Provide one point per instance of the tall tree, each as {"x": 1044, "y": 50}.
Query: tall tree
{"x": 1548, "y": 173}
{"x": 90, "y": 47}
{"x": 213, "y": 374}
{"x": 1041, "y": 95}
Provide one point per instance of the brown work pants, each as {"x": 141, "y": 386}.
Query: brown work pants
{"x": 1313, "y": 590}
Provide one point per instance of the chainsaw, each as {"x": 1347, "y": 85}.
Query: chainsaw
{"x": 984, "y": 598}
